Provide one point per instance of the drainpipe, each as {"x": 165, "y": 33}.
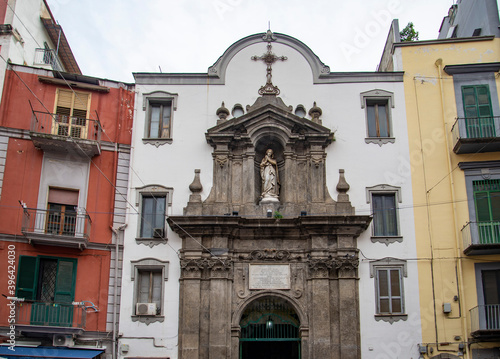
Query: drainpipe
{"x": 115, "y": 286}
{"x": 461, "y": 294}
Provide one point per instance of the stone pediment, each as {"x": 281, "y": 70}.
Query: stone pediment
{"x": 269, "y": 115}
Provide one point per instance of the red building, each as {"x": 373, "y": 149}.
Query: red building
{"x": 64, "y": 166}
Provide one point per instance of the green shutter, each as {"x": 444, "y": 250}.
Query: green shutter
{"x": 26, "y": 277}
{"x": 66, "y": 280}
{"x": 478, "y": 111}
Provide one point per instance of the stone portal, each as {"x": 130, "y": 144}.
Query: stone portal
{"x": 249, "y": 265}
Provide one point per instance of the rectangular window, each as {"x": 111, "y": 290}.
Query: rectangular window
{"x": 478, "y": 112}
{"x": 71, "y": 111}
{"x": 487, "y": 206}
{"x": 389, "y": 287}
{"x": 153, "y": 216}
{"x": 377, "y": 112}
{"x": 384, "y": 214}
{"x": 150, "y": 289}
{"x": 159, "y": 120}
{"x": 61, "y": 212}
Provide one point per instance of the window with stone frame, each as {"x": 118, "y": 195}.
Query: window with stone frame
{"x": 159, "y": 107}
{"x": 389, "y": 289}
{"x": 153, "y": 202}
{"x": 153, "y": 216}
{"x": 149, "y": 276}
{"x": 378, "y": 105}
{"x": 159, "y": 116}
{"x": 384, "y": 201}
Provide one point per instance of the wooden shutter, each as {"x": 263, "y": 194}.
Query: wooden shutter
{"x": 26, "y": 277}
{"x": 66, "y": 280}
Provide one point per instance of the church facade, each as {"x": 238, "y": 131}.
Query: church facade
{"x": 271, "y": 212}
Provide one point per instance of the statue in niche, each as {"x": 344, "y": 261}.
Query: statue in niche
{"x": 269, "y": 175}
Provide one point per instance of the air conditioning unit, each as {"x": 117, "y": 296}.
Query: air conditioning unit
{"x": 145, "y": 309}
{"x": 158, "y": 233}
{"x": 63, "y": 340}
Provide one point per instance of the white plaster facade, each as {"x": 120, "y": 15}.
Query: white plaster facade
{"x": 302, "y": 80}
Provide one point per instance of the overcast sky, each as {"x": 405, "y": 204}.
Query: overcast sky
{"x": 113, "y": 38}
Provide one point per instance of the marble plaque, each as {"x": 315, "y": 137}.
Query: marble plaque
{"x": 270, "y": 276}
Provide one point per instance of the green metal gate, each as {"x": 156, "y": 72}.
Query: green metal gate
{"x": 270, "y": 320}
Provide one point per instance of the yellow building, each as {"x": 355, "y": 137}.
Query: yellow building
{"x": 452, "y": 102}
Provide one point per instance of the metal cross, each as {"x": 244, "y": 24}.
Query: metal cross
{"x": 269, "y": 59}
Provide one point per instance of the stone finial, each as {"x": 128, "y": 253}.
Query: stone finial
{"x": 196, "y": 186}
{"x": 342, "y": 187}
{"x": 315, "y": 112}
{"x": 222, "y": 112}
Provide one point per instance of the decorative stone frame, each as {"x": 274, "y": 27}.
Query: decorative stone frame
{"x": 386, "y": 189}
{"x": 378, "y": 94}
{"x": 148, "y": 264}
{"x": 155, "y": 190}
{"x": 162, "y": 97}
{"x": 390, "y": 263}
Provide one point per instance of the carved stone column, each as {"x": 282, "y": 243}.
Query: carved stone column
{"x": 320, "y": 319}
{"x": 190, "y": 303}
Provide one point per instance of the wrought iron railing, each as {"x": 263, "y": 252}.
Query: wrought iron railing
{"x": 47, "y": 57}
{"x": 476, "y": 127}
{"x": 50, "y": 314}
{"x": 481, "y": 233}
{"x": 66, "y": 126}
{"x": 485, "y": 317}
{"x": 74, "y": 223}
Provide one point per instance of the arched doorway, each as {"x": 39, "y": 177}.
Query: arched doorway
{"x": 269, "y": 330}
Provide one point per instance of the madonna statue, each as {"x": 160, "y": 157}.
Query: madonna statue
{"x": 269, "y": 175}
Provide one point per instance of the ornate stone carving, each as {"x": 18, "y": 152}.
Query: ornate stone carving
{"x": 221, "y": 160}
{"x": 317, "y": 160}
{"x": 268, "y": 255}
{"x": 347, "y": 263}
{"x": 215, "y": 264}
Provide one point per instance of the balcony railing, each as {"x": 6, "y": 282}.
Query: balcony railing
{"x": 36, "y": 313}
{"x": 481, "y": 237}
{"x": 485, "y": 320}
{"x": 477, "y": 134}
{"x": 55, "y": 131}
{"x": 47, "y": 57}
{"x": 62, "y": 228}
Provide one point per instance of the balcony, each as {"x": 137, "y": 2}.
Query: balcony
{"x": 67, "y": 134}
{"x": 481, "y": 238}
{"x": 53, "y": 318}
{"x": 475, "y": 135}
{"x": 47, "y": 58}
{"x": 57, "y": 228}
{"x": 485, "y": 322}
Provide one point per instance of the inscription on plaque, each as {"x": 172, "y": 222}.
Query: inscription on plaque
{"x": 272, "y": 276}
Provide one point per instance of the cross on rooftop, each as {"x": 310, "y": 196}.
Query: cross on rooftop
{"x": 269, "y": 59}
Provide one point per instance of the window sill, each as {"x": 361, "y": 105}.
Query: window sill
{"x": 390, "y": 318}
{"x": 148, "y": 319}
{"x": 156, "y": 141}
{"x": 380, "y": 140}
{"x": 151, "y": 242}
{"x": 386, "y": 239}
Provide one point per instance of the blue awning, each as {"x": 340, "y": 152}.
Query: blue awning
{"x": 47, "y": 352}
